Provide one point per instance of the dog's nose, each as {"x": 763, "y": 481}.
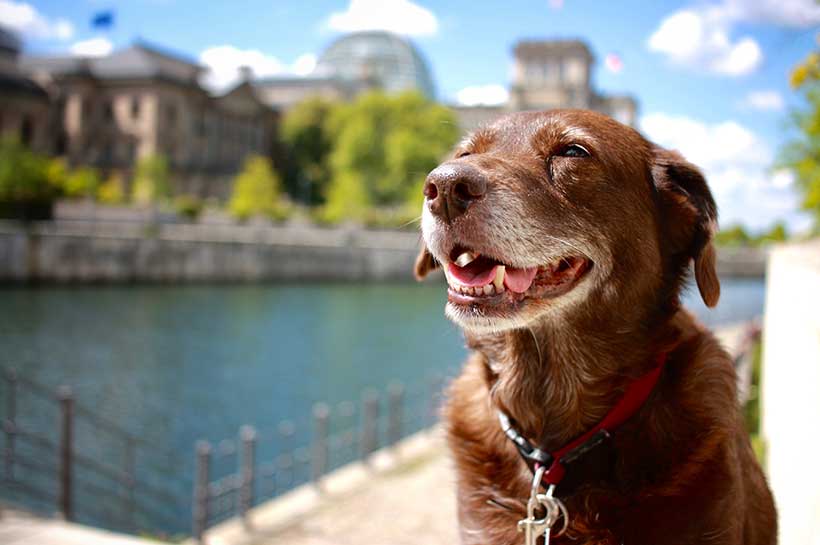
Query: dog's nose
{"x": 451, "y": 189}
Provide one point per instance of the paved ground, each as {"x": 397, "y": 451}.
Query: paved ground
{"x": 18, "y": 528}
{"x": 411, "y": 504}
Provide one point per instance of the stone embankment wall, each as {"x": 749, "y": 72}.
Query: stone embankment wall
{"x": 119, "y": 252}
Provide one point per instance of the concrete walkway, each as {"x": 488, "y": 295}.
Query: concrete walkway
{"x": 18, "y": 528}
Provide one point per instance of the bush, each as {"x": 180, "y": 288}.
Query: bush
{"x": 112, "y": 191}
{"x": 24, "y": 175}
{"x": 257, "y": 191}
{"x": 82, "y": 182}
{"x": 188, "y": 206}
{"x": 152, "y": 183}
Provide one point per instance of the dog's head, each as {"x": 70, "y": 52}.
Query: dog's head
{"x": 566, "y": 211}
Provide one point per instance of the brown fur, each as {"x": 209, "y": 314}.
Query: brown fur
{"x": 683, "y": 469}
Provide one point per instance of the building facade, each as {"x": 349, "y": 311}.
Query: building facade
{"x": 551, "y": 74}
{"x": 110, "y": 112}
{"x": 24, "y": 105}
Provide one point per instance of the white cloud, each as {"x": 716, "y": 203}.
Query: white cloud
{"x": 736, "y": 163}
{"x": 701, "y": 39}
{"x": 225, "y": 61}
{"x": 763, "y": 101}
{"x": 399, "y": 16}
{"x": 487, "y": 95}
{"x": 26, "y": 20}
{"x": 304, "y": 64}
{"x": 95, "y": 47}
{"x": 788, "y": 13}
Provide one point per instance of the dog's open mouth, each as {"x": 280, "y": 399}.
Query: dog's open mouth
{"x": 478, "y": 279}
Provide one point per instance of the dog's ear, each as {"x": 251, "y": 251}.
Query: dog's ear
{"x": 425, "y": 262}
{"x": 689, "y": 215}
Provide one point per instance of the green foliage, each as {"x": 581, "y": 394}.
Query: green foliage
{"x": 347, "y": 199}
{"x": 188, "y": 206}
{"x": 112, "y": 191}
{"x": 82, "y": 182}
{"x": 751, "y": 410}
{"x": 737, "y": 235}
{"x": 57, "y": 174}
{"x": 778, "y": 233}
{"x": 24, "y": 175}
{"x": 152, "y": 184}
{"x": 802, "y": 154}
{"x": 308, "y": 143}
{"x": 384, "y": 146}
{"x": 257, "y": 191}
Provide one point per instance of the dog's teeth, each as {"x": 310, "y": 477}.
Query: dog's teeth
{"x": 465, "y": 259}
{"x": 498, "y": 282}
{"x": 488, "y": 289}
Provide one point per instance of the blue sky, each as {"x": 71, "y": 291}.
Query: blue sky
{"x": 711, "y": 77}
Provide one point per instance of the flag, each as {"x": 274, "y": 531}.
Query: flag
{"x": 103, "y": 19}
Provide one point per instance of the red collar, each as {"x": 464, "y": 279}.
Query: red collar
{"x": 633, "y": 399}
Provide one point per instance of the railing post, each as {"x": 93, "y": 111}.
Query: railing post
{"x": 321, "y": 417}
{"x": 395, "y": 416}
{"x": 201, "y": 495}
{"x": 10, "y": 423}
{"x": 65, "y": 495}
{"x": 370, "y": 423}
{"x": 247, "y": 461}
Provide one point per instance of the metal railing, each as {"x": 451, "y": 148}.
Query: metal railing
{"x": 118, "y": 480}
{"x": 339, "y": 435}
{"x": 60, "y": 456}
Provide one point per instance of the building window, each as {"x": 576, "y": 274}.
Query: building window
{"x": 26, "y": 130}
{"x": 108, "y": 111}
{"x": 171, "y": 115}
{"x": 135, "y": 107}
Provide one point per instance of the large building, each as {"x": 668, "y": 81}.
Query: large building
{"x": 111, "y": 111}
{"x": 353, "y": 64}
{"x": 551, "y": 74}
{"x": 24, "y": 105}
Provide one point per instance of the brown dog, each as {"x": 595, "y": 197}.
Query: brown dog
{"x": 566, "y": 238}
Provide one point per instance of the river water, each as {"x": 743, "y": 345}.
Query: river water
{"x": 177, "y": 364}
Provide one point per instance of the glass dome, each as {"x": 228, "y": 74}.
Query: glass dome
{"x": 386, "y": 58}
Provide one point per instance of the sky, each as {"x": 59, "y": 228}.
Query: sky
{"x": 710, "y": 77}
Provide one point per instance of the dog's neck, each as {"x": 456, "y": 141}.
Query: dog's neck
{"x": 558, "y": 379}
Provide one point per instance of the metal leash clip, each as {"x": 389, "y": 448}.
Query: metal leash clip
{"x": 533, "y": 527}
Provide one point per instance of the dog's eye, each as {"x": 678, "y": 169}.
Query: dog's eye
{"x": 462, "y": 154}
{"x": 574, "y": 150}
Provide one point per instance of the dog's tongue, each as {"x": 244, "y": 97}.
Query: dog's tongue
{"x": 481, "y": 271}
{"x": 519, "y": 280}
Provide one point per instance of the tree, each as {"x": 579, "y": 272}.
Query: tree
{"x": 256, "y": 190}
{"x": 387, "y": 144}
{"x": 735, "y": 235}
{"x": 152, "y": 184}
{"x": 802, "y": 154}
{"x": 308, "y": 143}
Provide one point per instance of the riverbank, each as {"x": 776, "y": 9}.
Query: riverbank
{"x": 77, "y": 252}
